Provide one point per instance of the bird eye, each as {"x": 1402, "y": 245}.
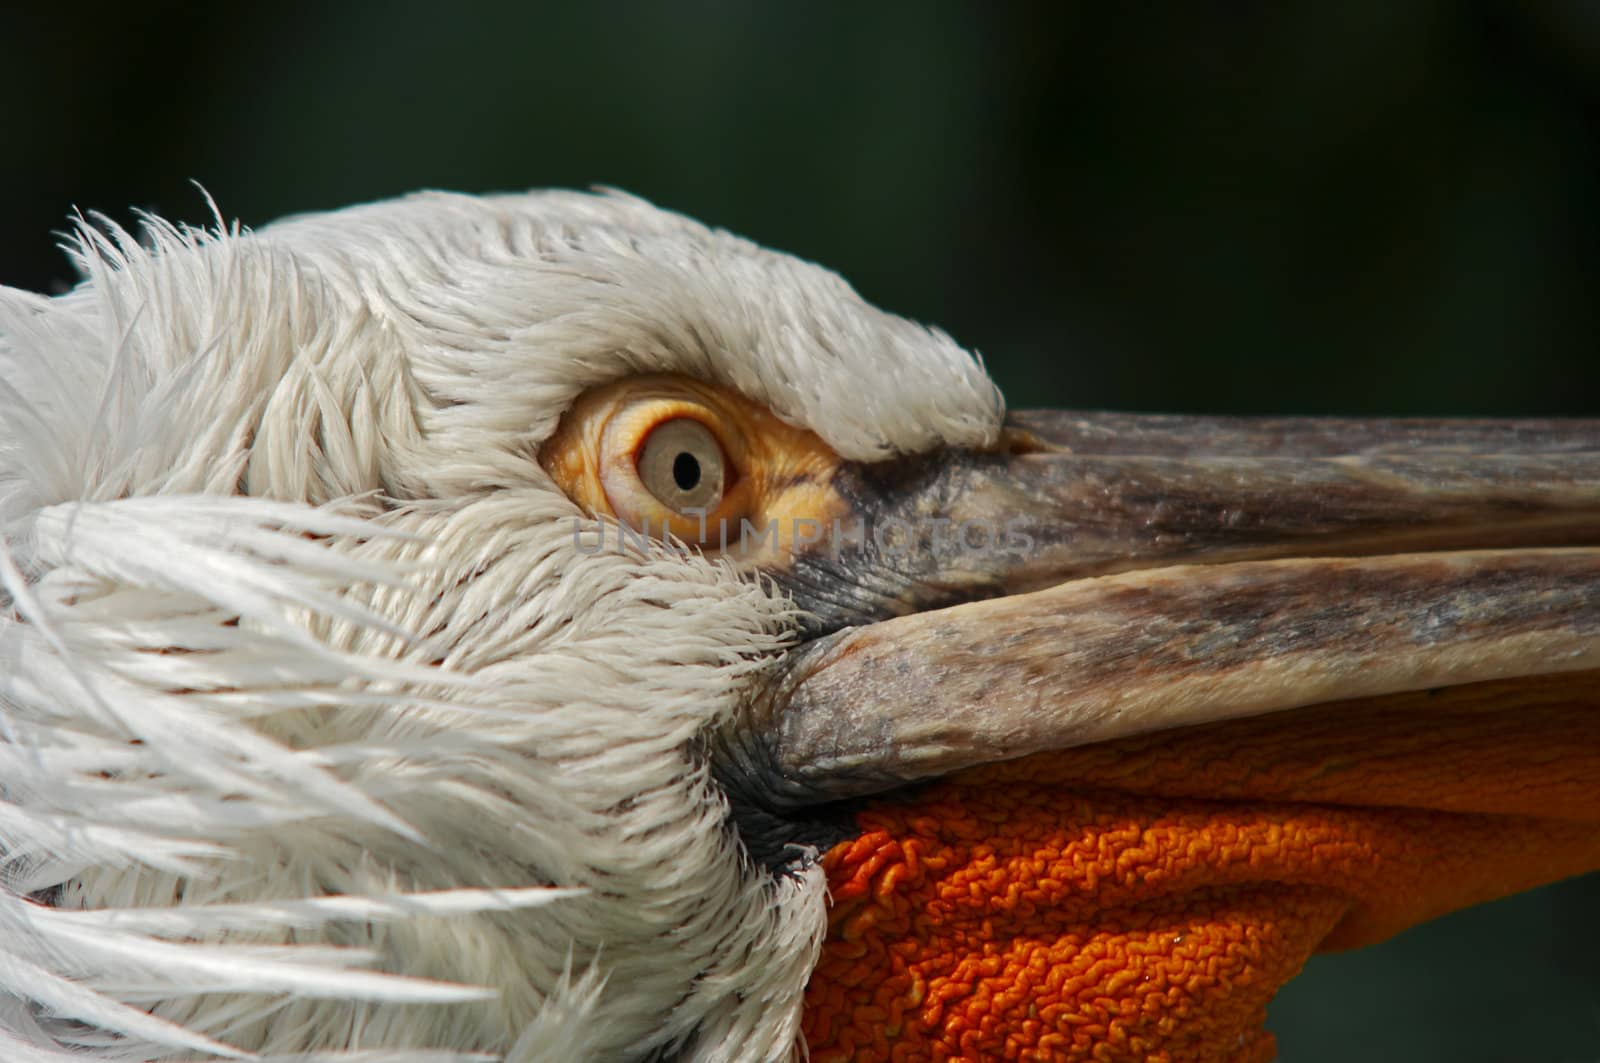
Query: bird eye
{"x": 682, "y": 465}
{"x": 680, "y": 459}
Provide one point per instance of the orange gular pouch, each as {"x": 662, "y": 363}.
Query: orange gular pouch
{"x": 1144, "y": 899}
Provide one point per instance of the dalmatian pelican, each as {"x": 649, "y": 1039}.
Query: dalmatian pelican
{"x": 541, "y": 627}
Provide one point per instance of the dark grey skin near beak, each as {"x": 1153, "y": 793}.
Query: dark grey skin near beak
{"x": 1124, "y": 574}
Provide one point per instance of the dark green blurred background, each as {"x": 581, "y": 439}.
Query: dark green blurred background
{"x": 1297, "y": 208}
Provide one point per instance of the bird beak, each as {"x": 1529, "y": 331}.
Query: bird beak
{"x": 1351, "y": 668}
{"x": 1099, "y": 576}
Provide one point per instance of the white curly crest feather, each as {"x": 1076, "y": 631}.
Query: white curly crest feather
{"x": 318, "y": 737}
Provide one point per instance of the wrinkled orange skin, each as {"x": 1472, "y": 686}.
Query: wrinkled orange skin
{"x": 1144, "y": 899}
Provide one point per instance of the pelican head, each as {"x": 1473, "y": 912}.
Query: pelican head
{"x": 541, "y": 627}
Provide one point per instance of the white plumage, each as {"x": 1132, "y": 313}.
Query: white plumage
{"x": 320, "y": 738}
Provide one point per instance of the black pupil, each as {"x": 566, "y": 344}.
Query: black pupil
{"x": 686, "y": 471}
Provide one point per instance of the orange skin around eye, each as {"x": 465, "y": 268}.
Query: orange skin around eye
{"x": 776, "y": 476}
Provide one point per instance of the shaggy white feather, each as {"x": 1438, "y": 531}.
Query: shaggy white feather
{"x": 319, "y": 739}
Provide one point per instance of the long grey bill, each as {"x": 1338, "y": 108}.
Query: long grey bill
{"x": 1181, "y": 571}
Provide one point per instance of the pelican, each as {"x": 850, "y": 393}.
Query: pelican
{"x": 542, "y": 627}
